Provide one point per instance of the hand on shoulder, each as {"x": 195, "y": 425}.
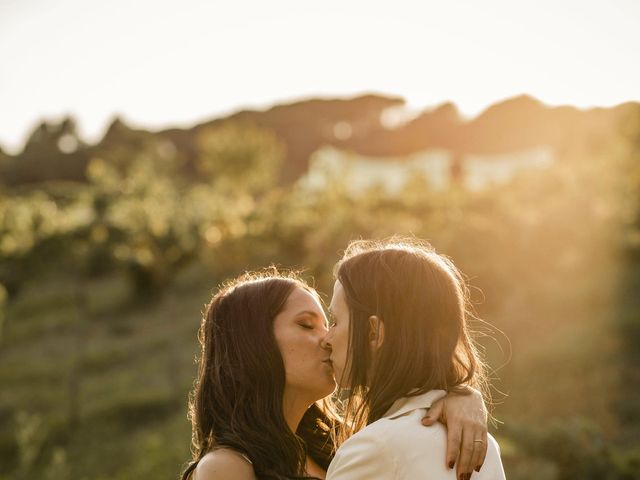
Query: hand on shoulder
{"x": 223, "y": 464}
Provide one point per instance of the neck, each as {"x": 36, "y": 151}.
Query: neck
{"x": 294, "y": 406}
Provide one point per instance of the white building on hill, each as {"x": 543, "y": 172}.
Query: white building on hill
{"x": 435, "y": 166}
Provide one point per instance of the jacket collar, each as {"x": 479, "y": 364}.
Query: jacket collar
{"x": 407, "y": 404}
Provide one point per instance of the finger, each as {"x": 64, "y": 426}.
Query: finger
{"x": 433, "y": 414}
{"x": 454, "y": 438}
{"x": 475, "y": 461}
{"x": 466, "y": 453}
{"x": 480, "y": 451}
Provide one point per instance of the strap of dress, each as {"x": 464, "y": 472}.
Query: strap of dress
{"x": 234, "y": 451}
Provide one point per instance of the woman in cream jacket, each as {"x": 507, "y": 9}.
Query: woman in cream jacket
{"x": 260, "y": 407}
{"x": 399, "y": 341}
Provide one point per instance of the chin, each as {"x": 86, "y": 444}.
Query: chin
{"x": 330, "y": 387}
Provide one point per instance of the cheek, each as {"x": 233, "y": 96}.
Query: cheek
{"x": 340, "y": 342}
{"x": 291, "y": 354}
{"x": 339, "y": 345}
{"x": 296, "y": 352}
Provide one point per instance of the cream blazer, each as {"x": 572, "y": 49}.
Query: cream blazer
{"x": 398, "y": 446}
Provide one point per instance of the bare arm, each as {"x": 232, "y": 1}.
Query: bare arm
{"x": 224, "y": 464}
{"x": 465, "y": 416}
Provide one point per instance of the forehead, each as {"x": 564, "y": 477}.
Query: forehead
{"x": 337, "y": 299}
{"x": 301, "y": 299}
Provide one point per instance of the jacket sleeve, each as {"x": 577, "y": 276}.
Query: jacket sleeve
{"x": 364, "y": 456}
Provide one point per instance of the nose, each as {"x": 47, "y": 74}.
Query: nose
{"x": 326, "y": 341}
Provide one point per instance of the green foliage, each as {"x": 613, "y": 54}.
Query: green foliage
{"x": 30, "y": 436}
{"x": 34, "y": 234}
{"x": 4, "y": 295}
{"x": 576, "y": 448}
{"x": 555, "y": 253}
{"x": 138, "y": 410}
{"x": 235, "y": 156}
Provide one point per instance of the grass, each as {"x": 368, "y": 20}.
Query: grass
{"x": 124, "y": 370}
{"x": 124, "y": 362}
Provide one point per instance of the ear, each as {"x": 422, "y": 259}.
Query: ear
{"x": 376, "y": 332}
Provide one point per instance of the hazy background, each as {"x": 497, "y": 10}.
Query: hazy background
{"x": 150, "y": 150}
{"x": 160, "y": 63}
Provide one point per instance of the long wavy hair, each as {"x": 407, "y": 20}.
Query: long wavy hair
{"x": 237, "y": 397}
{"x": 422, "y": 301}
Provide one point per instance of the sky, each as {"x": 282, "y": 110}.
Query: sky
{"x": 159, "y": 63}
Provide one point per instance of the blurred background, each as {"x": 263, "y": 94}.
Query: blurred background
{"x": 152, "y": 149}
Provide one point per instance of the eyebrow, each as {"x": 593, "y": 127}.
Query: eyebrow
{"x": 314, "y": 315}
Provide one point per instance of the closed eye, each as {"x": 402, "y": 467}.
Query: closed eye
{"x": 305, "y": 326}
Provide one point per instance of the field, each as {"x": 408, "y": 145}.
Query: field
{"x": 105, "y": 280}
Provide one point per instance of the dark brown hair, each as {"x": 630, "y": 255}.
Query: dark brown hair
{"x": 236, "y": 402}
{"x": 421, "y": 299}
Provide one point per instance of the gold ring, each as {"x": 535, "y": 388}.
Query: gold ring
{"x": 480, "y": 441}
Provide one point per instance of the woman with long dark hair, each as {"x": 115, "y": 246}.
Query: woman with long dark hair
{"x": 261, "y": 405}
{"x": 262, "y": 371}
{"x": 399, "y": 341}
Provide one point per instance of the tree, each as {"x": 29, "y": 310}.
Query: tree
{"x": 242, "y": 157}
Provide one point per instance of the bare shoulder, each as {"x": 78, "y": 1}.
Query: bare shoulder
{"x": 223, "y": 464}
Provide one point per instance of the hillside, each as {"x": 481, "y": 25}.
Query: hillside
{"x": 53, "y": 152}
